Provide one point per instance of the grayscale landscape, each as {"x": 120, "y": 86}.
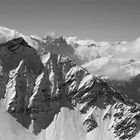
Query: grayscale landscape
{"x": 70, "y": 70}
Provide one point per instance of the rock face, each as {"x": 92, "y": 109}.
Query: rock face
{"x": 65, "y": 100}
{"x": 131, "y": 88}
{"x": 57, "y": 46}
{"x": 17, "y": 60}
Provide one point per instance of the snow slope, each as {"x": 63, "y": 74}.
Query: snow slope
{"x": 10, "y": 129}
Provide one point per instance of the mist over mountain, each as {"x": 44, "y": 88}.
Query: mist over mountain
{"x": 58, "y": 88}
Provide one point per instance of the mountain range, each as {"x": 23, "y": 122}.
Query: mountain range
{"x": 68, "y": 89}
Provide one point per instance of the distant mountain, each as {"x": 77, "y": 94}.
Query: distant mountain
{"x": 131, "y": 88}
{"x": 56, "y": 46}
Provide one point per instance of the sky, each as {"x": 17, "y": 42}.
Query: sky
{"x": 100, "y": 20}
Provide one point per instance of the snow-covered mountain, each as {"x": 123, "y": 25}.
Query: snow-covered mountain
{"x": 45, "y": 95}
{"x": 118, "y": 63}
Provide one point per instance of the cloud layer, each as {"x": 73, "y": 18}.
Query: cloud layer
{"x": 108, "y": 59}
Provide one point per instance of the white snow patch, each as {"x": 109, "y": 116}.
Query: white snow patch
{"x": 10, "y": 129}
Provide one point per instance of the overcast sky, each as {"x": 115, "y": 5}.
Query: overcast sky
{"x": 108, "y": 20}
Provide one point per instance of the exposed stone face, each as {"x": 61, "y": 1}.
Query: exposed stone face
{"x": 49, "y": 94}
{"x": 16, "y": 96}
{"x": 57, "y": 46}
{"x": 20, "y": 65}
{"x": 16, "y": 50}
{"x": 34, "y": 92}
{"x": 130, "y": 88}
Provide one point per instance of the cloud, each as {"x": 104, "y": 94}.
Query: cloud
{"x": 94, "y": 55}
{"x": 134, "y": 49}
{"x": 90, "y": 49}
{"x": 114, "y": 72}
{"x": 108, "y": 67}
{"x": 8, "y": 34}
{"x": 71, "y": 40}
{"x": 88, "y": 53}
{"x": 52, "y": 34}
{"x": 75, "y": 39}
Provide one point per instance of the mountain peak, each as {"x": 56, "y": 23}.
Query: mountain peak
{"x": 16, "y": 41}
